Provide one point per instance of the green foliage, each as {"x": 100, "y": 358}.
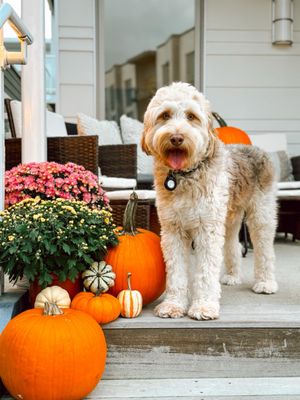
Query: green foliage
{"x": 40, "y": 237}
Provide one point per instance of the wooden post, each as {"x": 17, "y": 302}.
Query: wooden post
{"x": 2, "y": 144}
{"x": 34, "y": 140}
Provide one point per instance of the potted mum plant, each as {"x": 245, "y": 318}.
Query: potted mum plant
{"x": 41, "y": 239}
{"x": 50, "y": 180}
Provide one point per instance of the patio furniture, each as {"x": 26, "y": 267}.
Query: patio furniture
{"x": 288, "y": 193}
{"x": 82, "y": 150}
{"x": 119, "y": 161}
{"x": 146, "y": 215}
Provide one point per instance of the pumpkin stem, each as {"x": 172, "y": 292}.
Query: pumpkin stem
{"x": 129, "y": 215}
{"x": 51, "y": 309}
{"x": 98, "y": 293}
{"x": 220, "y": 120}
{"x": 128, "y": 280}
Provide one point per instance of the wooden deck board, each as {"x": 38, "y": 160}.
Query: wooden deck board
{"x": 296, "y": 397}
{"x": 197, "y": 388}
{"x": 198, "y": 353}
{"x": 240, "y": 307}
{"x": 232, "y": 316}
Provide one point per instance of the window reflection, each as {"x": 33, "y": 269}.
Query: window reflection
{"x": 147, "y": 45}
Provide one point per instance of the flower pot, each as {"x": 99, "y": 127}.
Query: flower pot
{"x": 71, "y": 287}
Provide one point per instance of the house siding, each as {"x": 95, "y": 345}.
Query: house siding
{"x": 253, "y": 84}
{"x": 76, "y": 58}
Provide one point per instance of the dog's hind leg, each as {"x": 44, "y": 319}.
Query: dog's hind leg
{"x": 175, "y": 249}
{"x": 261, "y": 220}
{"x": 232, "y": 249}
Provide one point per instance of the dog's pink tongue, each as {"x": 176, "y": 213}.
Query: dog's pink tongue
{"x": 176, "y": 159}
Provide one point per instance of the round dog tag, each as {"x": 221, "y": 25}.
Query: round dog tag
{"x": 170, "y": 183}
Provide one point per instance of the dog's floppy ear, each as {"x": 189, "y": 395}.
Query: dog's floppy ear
{"x": 212, "y": 138}
{"x": 147, "y": 128}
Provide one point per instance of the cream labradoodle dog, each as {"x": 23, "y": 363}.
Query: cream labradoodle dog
{"x": 204, "y": 188}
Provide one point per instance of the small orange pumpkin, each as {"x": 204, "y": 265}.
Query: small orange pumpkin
{"x": 230, "y": 134}
{"x": 131, "y": 301}
{"x": 51, "y": 355}
{"x": 102, "y": 307}
{"x": 138, "y": 252}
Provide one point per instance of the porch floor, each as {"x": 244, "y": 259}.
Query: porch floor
{"x": 240, "y": 306}
{"x": 251, "y": 352}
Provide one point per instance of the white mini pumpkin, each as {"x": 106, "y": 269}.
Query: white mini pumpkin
{"x": 99, "y": 277}
{"x": 131, "y": 301}
{"x": 55, "y": 295}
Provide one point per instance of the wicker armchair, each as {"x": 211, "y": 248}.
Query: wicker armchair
{"x": 81, "y": 150}
{"x": 114, "y": 161}
{"x": 118, "y": 160}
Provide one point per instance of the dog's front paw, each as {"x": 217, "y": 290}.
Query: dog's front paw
{"x": 204, "y": 311}
{"x": 167, "y": 309}
{"x": 231, "y": 280}
{"x": 267, "y": 287}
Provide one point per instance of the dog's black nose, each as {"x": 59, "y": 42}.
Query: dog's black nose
{"x": 176, "y": 140}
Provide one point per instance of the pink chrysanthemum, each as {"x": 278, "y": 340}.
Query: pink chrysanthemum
{"x": 50, "y": 180}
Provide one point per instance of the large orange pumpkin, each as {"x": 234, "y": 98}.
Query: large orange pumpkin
{"x": 138, "y": 253}
{"x": 230, "y": 134}
{"x": 45, "y": 354}
{"x": 103, "y": 307}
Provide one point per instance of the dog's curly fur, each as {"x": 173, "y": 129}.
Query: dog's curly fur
{"x": 200, "y": 219}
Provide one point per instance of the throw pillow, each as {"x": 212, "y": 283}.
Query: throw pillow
{"x": 131, "y": 133}
{"x": 55, "y": 124}
{"x": 108, "y": 131}
{"x": 283, "y": 166}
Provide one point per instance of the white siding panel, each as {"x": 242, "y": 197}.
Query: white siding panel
{"x": 240, "y": 36}
{"x": 72, "y": 100}
{"x": 76, "y": 12}
{"x": 76, "y": 67}
{"x": 253, "y": 84}
{"x": 251, "y": 49}
{"x": 76, "y": 58}
{"x": 253, "y": 103}
{"x": 296, "y": 15}
{"x": 76, "y": 44}
{"x": 248, "y": 71}
{"x": 267, "y": 125}
{"x": 217, "y": 35}
{"x": 239, "y": 14}
{"x": 76, "y": 32}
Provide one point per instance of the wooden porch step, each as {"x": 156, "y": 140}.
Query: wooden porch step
{"x": 201, "y": 389}
{"x": 202, "y": 353}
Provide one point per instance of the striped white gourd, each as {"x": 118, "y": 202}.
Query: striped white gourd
{"x": 131, "y": 301}
{"x": 99, "y": 277}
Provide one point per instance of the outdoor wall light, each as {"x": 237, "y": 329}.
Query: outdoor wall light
{"x": 282, "y": 18}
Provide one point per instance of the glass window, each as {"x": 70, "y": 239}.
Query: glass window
{"x": 112, "y": 97}
{"x": 149, "y": 43}
{"x": 190, "y": 67}
{"x": 128, "y": 88}
{"x": 166, "y": 73}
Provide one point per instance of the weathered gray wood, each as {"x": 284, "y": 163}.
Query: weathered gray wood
{"x": 196, "y": 388}
{"x": 232, "y": 316}
{"x": 187, "y": 353}
{"x": 240, "y": 307}
{"x": 296, "y": 397}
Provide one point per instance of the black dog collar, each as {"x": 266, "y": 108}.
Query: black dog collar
{"x": 171, "y": 179}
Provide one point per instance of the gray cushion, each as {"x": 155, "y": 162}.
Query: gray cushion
{"x": 282, "y": 165}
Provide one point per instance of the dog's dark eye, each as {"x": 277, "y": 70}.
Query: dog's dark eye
{"x": 190, "y": 116}
{"x": 166, "y": 116}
